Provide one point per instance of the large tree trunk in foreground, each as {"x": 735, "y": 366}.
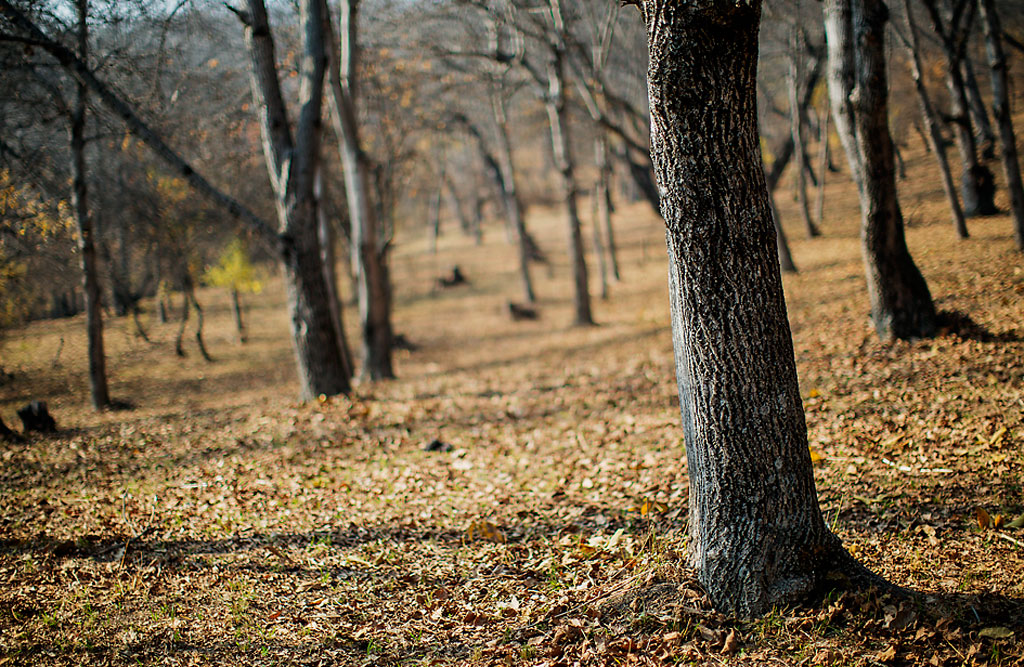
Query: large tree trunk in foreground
{"x": 901, "y": 305}
{"x": 1001, "y": 110}
{"x": 373, "y": 288}
{"x": 86, "y": 238}
{"x": 757, "y": 537}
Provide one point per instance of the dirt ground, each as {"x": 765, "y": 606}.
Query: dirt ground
{"x": 218, "y": 521}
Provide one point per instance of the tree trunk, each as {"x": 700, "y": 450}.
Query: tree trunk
{"x": 99, "y": 393}
{"x": 932, "y": 125}
{"x": 786, "y": 262}
{"x": 1001, "y": 110}
{"x": 976, "y": 179}
{"x": 604, "y": 200}
{"x": 321, "y": 366}
{"x": 796, "y": 129}
{"x": 595, "y": 224}
{"x": 510, "y": 195}
{"x": 823, "y": 158}
{"x": 293, "y": 165}
{"x": 328, "y": 238}
{"x": 977, "y": 106}
{"x": 757, "y": 537}
{"x": 434, "y": 215}
{"x": 236, "y": 312}
{"x": 179, "y": 340}
{"x": 901, "y": 305}
{"x": 558, "y": 122}
{"x": 191, "y": 296}
{"x": 368, "y": 257}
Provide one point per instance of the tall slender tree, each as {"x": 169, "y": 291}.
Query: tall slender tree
{"x": 932, "y": 124}
{"x": 953, "y": 32}
{"x": 901, "y": 304}
{"x": 1001, "y": 109}
{"x": 369, "y": 256}
{"x": 98, "y": 390}
{"x": 293, "y": 163}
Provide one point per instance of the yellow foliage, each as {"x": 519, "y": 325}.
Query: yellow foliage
{"x": 234, "y": 270}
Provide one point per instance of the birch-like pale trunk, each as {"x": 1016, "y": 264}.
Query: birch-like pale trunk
{"x": 823, "y": 157}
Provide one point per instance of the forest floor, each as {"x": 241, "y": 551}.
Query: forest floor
{"x": 219, "y": 521}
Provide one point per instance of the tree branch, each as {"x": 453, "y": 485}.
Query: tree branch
{"x": 81, "y": 73}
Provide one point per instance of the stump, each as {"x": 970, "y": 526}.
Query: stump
{"x": 520, "y": 312}
{"x": 456, "y": 277}
{"x": 36, "y": 417}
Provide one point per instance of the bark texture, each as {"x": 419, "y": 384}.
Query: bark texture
{"x": 757, "y": 534}
{"x": 1001, "y": 110}
{"x": 901, "y": 305}
{"x": 98, "y": 390}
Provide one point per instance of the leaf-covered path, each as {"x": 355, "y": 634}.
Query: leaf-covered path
{"x": 220, "y": 522}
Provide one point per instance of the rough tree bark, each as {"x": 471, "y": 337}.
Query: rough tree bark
{"x": 293, "y": 163}
{"x": 98, "y": 390}
{"x": 757, "y": 537}
{"x": 369, "y": 259}
{"x": 1001, "y": 110}
{"x": 901, "y": 305}
{"x": 933, "y": 125}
